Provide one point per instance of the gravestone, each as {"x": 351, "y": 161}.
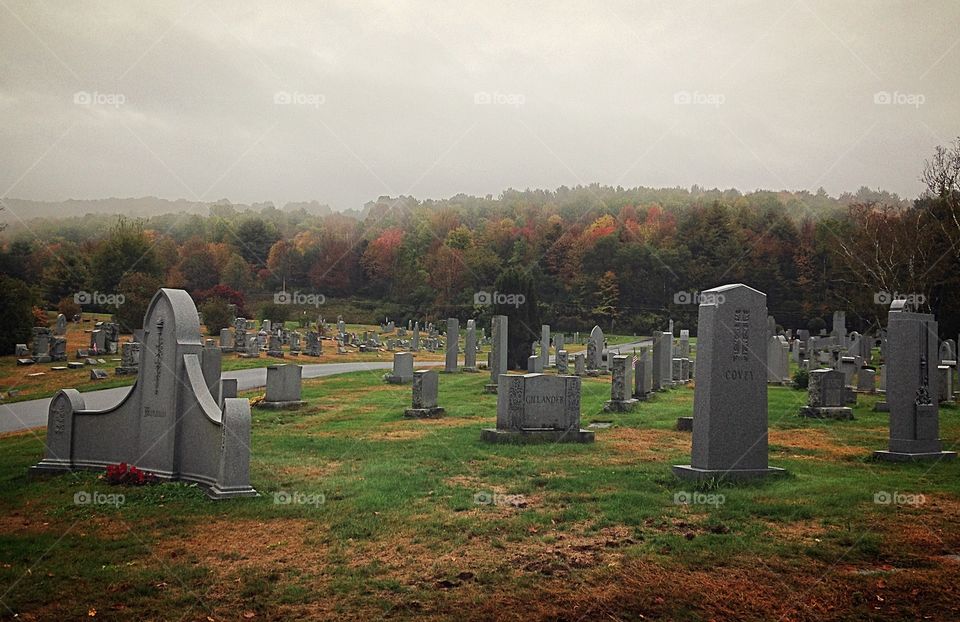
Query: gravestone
{"x": 226, "y": 340}
{"x": 129, "y": 359}
{"x": 470, "y": 348}
{"x": 839, "y": 332}
{"x": 98, "y": 374}
{"x": 169, "y": 423}
{"x": 684, "y": 344}
{"x": 284, "y": 385}
{"x": 947, "y": 351}
{"x": 274, "y": 346}
{"x": 453, "y": 345}
{"x": 402, "y": 369}
{"x": 730, "y": 399}
{"x": 563, "y": 362}
{"x": 544, "y": 347}
{"x": 533, "y": 363}
{"x": 61, "y": 328}
{"x": 58, "y": 349}
{"x": 778, "y": 360}
{"x": 621, "y": 385}
{"x": 559, "y": 342}
{"x": 945, "y": 394}
{"x": 595, "y": 348}
{"x": 643, "y": 374}
{"x": 826, "y": 396}
{"x": 314, "y": 345}
{"x": 580, "y": 364}
{"x": 867, "y": 380}
{"x": 415, "y": 342}
{"x": 425, "y": 386}
{"x": 912, "y": 387}
{"x": 591, "y": 356}
{"x": 41, "y": 344}
{"x": 662, "y": 361}
{"x": 228, "y": 389}
{"x": 498, "y": 352}
{"x": 536, "y": 408}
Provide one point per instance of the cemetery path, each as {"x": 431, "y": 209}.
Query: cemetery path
{"x": 33, "y": 413}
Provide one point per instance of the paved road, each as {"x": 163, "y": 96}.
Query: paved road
{"x": 33, "y": 413}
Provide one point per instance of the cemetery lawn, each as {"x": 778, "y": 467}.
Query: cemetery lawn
{"x": 405, "y": 528}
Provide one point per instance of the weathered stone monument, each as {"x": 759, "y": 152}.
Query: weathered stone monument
{"x": 643, "y": 374}
{"x": 536, "y": 408}
{"x": 498, "y": 352}
{"x": 912, "y": 387}
{"x": 563, "y": 362}
{"x": 61, "y": 327}
{"x": 453, "y": 345}
{"x": 662, "y": 361}
{"x": 730, "y": 399}
{"x": 169, "y": 424}
{"x": 129, "y": 359}
{"x": 595, "y": 349}
{"x": 470, "y": 348}
{"x": 402, "y": 369}
{"x": 425, "y": 385}
{"x": 621, "y": 385}
{"x": 826, "y": 396}
{"x": 284, "y": 386}
{"x": 778, "y": 360}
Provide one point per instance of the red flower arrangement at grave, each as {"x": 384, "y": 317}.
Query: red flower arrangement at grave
{"x": 129, "y": 475}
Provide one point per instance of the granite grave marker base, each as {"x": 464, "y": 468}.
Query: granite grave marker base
{"x": 840, "y": 413}
{"x": 690, "y": 473}
{"x": 685, "y": 424}
{"x": 620, "y": 406}
{"x": 900, "y": 456}
{"x": 534, "y": 436}
{"x": 424, "y": 413}
{"x": 126, "y": 371}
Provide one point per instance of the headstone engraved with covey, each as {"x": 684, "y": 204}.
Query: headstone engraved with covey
{"x": 536, "y": 408}
{"x": 169, "y": 423}
{"x": 730, "y": 399}
{"x": 912, "y": 387}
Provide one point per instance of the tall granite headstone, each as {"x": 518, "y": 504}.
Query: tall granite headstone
{"x": 912, "y": 387}
{"x": 730, "y": 399}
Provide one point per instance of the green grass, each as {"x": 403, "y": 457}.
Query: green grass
{"x": 390, "y": 483}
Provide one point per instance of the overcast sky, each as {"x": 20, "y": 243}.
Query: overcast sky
{"x": 343, "y": 102}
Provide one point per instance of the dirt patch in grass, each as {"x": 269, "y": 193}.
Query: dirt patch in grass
{"x": 308, "y": 472}
{"x": 629, "y": 445}
{"x": 818, "y": 441}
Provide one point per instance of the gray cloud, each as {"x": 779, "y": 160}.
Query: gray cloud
{"x": 342, "y": 102}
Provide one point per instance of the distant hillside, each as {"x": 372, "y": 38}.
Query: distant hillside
{"x": 142, "y": 207}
